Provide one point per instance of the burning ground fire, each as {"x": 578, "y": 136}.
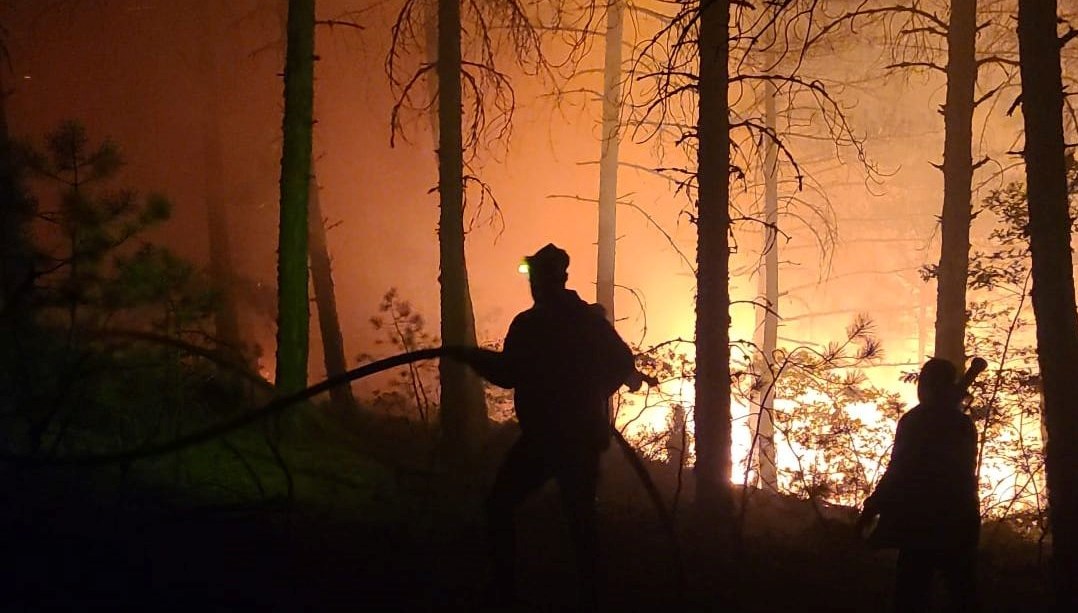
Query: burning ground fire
{"x": 648, "y": 418}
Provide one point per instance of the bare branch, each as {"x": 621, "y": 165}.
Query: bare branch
{"x": 929, "y": 65}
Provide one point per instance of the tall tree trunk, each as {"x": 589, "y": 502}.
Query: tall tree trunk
{"x": 608, "y": 159}
{"x": 226, "y": 317}
{"x": 325, "y": 300}
{"x": 957, "y": 183}
{"x": 761, "y": 422}
{"x": 1053, "y": 280}
{"x": 292, "y": 305}
{"x": 712, "y": 413}
{"x": 463, "y": 405}
{"x": 15, "y": 257}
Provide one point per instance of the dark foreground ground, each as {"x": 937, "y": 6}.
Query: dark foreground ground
{"x": 75, "y": 540}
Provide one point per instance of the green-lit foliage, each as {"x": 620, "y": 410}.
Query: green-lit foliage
{"x": 85, "y": 224}
{"x": 167, "y": 289}
{"x": 72, "y": 384}
{"x": 77, "y": 382}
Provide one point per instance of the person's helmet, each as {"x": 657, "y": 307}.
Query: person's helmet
{"x": 549, "y": 263}
{"x": 936, "y": 378}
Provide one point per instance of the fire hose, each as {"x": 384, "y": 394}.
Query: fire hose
{"x": 286, "y": 401}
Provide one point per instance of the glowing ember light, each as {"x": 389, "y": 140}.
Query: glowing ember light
{"x": 266, "y": 371}
{"x": 643, "y": 416}
{"x": 523, "y": 268}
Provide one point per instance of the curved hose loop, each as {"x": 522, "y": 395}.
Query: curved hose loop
{"x": 274, "y": 406}
{"x": 283, "y": 402}
{"x": 665, "y": 517}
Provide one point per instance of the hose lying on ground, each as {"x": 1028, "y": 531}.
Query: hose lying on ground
{"x": 281, "y": 403}
{"x": 274, "y": 406}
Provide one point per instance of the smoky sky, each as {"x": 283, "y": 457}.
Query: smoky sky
{"x": 136, "y": 71}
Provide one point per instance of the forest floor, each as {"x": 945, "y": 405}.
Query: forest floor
{"x": 396, "y": 534}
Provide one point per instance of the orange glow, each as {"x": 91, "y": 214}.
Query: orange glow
{"x": 1002, "y": 487}
{"x": 852, "y": 243}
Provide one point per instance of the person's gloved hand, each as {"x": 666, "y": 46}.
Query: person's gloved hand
{"x": 467, "y": 355}
{"x": 869, "y": 513}
{"x": 637, "y": 379}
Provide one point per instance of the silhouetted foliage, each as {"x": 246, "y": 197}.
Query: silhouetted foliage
{"x": 1008, "y": 403}
{"x": 71, "y": 385}
{"x": 86, "y": 226}
{"x": 414, "y": 390}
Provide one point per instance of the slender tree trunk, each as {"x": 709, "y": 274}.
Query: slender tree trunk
{"x": 292, "y": 304}
{"x": 712, "y": 413}
{"x": 763, "y": 427}
{"x": 957, "y": 183}
{"x": 15, "y": 257}
{"x": 608, "y": 159}
{"x": 226, "y": 317}
{"x": 1053, "y": 280}
{"x": 325, "y": 300}
{"x": 463, "y": 405}
{"x": 675, "y": 437}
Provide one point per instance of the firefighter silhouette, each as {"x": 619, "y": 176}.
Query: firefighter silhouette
{"x": 563, "y": 360}
{"x": 927, "y": 499}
